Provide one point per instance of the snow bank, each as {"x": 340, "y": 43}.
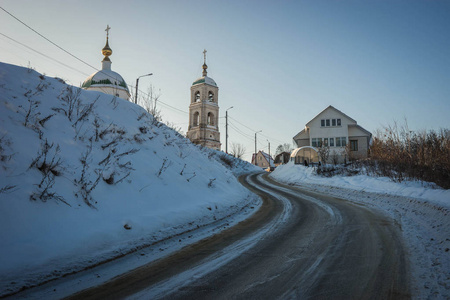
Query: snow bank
{"x": 292, "y": 173}
{"x": 86, "y": 176}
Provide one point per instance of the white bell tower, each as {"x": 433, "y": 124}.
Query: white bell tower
{"x": 204, "y": 111}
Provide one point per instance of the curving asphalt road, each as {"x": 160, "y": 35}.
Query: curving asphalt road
{"x": 299, "y": 245}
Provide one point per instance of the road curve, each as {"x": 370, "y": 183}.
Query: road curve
{"x": 299, "y": 245}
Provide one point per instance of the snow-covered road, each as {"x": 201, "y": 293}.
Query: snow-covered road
{"x": 298, "y": 245}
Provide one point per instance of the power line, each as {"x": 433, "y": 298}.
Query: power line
{"x": 47, "y": 39}
{"x": 240, "y": 132}
{"x": 49, "y": 57}
{"x": 268, "y": 137}
{"x": 243, "y": 124}
{"x": 74, "y": 56}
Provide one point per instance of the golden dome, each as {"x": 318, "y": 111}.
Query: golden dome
{"x": 106, "y": 51}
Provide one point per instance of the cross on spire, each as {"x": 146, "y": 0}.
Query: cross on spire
{"x": 204, "y": 56}
{"x": 107, "y": 30}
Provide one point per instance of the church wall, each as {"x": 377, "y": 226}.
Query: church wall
{"x": 110, "y": 91}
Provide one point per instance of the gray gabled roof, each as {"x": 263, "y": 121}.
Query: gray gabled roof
{"x": 330, "y": 107}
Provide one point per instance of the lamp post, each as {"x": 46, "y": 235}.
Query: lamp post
{"x": 226, "y": 130}
{"x": 255, "y": 144}
{"x": 137, "y": 83}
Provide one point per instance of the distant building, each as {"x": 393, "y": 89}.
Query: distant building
{"x": 281, "y": 158}
{"x": 334, "y": 129}
{"x": 106, "y": 80}
{"x": 204, "y": 111}
{"x": 263, "y": 160}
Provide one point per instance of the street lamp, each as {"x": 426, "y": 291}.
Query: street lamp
{"x": 255, "y": 144}
{"x": 137, "y": 83}
{"x": 226, "y": 130}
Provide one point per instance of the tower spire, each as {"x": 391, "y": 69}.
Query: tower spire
{"x": 204, "y": 63}
{"x": 107, "y": 51}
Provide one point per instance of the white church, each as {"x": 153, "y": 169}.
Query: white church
{"x": 106, "y": 80}
{"x": 203, "y": 110}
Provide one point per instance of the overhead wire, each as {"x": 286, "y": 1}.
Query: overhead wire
{"x": 61, "y": 48}
{"x": 74, "y": 56}
{"x": 43, "y": 54}
{"x": 79, "y": 59}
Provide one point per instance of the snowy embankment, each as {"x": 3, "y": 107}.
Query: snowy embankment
{"x": 422, "y": 213}
{"x": 86, "y": 177}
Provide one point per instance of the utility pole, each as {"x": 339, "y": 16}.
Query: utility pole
{"x": 255, "y": 145}
{"x": 137, "y": 83}
{"x": 269, "y": 152}
{"x": 226, "y": 130}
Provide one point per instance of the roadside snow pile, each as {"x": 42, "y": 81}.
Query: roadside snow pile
{"x": 422, "y": 213}
{"x": 86, "y": 177}
{"x": 291, "y": 173}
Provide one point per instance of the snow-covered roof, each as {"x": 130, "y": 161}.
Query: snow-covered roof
{"x": 294, "y": 153}
{"x": 205, "y": 79}
{"x": 105, "y": 78}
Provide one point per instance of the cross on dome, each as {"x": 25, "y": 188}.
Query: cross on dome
{"x": 107, "y": 51}
{"x": 107, "y": 30}
{"x": 204, "y": 63}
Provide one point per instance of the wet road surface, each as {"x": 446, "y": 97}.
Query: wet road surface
{"x": 299, "y": 245}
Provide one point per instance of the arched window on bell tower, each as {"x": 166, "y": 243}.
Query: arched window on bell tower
{"x": 196, "y": 118}
{"x": 211, "y": 119}
{"x": 197, "y": 96}
{"x": 211, "y": 96}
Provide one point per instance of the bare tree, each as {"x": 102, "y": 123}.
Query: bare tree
{"x": 237, "y": 150}
{"x": 283, "y": 148}
{"x": 149, "y": 102}
{"x": 324, "y": 153}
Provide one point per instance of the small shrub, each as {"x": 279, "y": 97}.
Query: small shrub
{"x": 227, "y": 161}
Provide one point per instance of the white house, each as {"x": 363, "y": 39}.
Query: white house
{"x": 341, "y": 134}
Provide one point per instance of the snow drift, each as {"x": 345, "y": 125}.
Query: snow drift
{"x": 86, "y": 176}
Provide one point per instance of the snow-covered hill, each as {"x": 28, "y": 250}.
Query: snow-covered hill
{"x": 86, "y": 176}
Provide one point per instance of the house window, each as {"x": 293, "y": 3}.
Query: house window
{"x": 322, "y": 123}
{"x": 328, "y": 122}
{"x": 333, "y": 122}
{"x": 354, "y": 145}
{"x": 325, "y": 142}
{"x": 317, "y": 142}
{"x": 338, "y": 122}
{"x": 331, "y": 142}
{"x": 341, "y": 141}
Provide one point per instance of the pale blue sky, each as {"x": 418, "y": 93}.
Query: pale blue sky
{"x": 279, "y": 63}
